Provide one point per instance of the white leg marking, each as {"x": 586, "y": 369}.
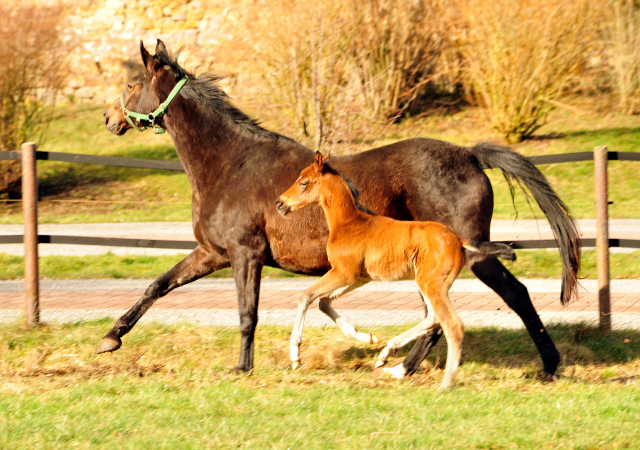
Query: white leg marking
{"x": 397, "y": 371}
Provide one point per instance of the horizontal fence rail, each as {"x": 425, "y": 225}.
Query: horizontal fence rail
{"x": 116, "y": 161}
{"x": 190, "y": 245}
{"x": 175, "y": 165}
{"x": 103, "y": 241}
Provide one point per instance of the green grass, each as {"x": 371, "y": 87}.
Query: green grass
{"x": 170, "y": 387}
{"x": 88, "y": 193}
{"x": 530, "y": 264}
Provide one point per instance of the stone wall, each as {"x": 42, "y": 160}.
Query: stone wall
{"x": 106, "y": 36}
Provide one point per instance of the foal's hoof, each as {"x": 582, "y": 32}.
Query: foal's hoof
{"x": 295, "y": 365}
{"x": 379, "y": 364}
{"x": 374, "y": 340}
{"x": 109, "y": 344}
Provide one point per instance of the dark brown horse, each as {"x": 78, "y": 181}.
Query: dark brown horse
{"x": 237, "y": 170}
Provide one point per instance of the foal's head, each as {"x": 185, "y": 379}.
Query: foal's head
{"x": 306, "y": 189}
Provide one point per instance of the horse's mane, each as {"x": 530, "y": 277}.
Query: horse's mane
{"x": 355, "y": 193}
{"x": 203, "y": 88}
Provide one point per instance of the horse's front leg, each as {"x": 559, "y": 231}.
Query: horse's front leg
{"x": 247, "y": 263}
{"x": 331, "y": 283}
{"x": 196, "y": 265}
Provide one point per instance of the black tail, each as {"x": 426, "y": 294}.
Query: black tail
{"x": 519, "y": 171}
{"x": 491, "y": 248}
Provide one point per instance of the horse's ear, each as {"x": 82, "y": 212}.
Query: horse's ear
{"x": 160, "y": 47}
{"x": 327, "y": 158}
{"x": 317, "y": 163}
{"x": 146, "y": 57}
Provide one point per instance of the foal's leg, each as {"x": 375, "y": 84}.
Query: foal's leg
{"x": 196, "y": 265}
{"x": 453, "y": 332}
{"x": 331, "y": 282}
{"x": 349, "y": 330}
{"x": 428, "y": 324}
{"x": 419, "y": 351}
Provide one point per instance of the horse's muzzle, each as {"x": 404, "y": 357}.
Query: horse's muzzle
{"x": 282, "y": 208}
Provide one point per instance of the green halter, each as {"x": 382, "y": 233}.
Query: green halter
{"x": 151, "y": 117}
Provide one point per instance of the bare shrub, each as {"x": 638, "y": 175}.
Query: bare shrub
{"x": 337, "y": 66}
{"x": 32, "y": 69}
{"x": 623, "y": 33}
{"x": 520, "y": 55}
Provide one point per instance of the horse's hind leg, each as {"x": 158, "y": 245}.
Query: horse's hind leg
{"x": 196, "y": 265}
{"x": 515, "y": 294}
{"x": 349, "y": 330}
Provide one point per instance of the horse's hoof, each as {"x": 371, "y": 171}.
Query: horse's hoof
{"x": 295, "y": 365}
{"x": 109, "y": 344}
{"x": 379, "y": 364}
{"x": 374, "y": 340}
{"x": 396, "y": 372}
{"x": 239, "y": 370}
{"x": 549, "y": 377}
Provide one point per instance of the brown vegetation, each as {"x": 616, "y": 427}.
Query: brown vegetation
{"x": 32, "y": 71}
{"x": 520, "y": 56}
{"x": 623, "y": 33}
{"x": 336, "y": 66}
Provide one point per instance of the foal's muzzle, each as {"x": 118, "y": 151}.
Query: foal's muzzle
{"x": 282, "y": 208}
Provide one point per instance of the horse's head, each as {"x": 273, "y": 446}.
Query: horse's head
{"x": 144, "y": 92}
{"x": 306, "y": 189}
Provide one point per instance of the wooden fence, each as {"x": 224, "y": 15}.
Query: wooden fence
{"x": 29, "y": 155}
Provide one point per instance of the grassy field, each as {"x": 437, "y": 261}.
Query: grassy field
{"x": 530, "y": 264}
{"x": 170, "y": 387}
{"x": 88, "y": 193}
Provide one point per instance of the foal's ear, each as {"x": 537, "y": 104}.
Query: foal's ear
{"x": 317, "y": 162}
{"x": 146, "y": 56}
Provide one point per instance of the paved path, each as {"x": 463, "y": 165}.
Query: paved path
{"x": 213, "y": 302}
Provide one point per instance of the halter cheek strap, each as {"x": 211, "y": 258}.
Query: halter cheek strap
{"x": 151, "y": 117}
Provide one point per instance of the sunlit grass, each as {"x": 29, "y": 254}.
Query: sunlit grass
{"x": 171, "y": 387}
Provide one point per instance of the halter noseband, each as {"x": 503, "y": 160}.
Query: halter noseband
{"x": 151, "y": 117}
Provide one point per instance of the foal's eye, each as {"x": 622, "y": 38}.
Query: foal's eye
{"x": 129, "y": 86}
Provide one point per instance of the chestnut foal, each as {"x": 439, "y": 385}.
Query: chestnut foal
{"x": 364, "y": 247}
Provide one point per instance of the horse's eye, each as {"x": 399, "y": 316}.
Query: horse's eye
{"x": 304, "y": 184}
{"x": 130, "y": 86}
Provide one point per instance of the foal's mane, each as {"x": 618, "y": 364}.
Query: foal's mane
{"x": 203, "y": 88}
{"x": 355, "y": 193}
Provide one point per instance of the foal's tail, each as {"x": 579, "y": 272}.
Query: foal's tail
{"x": 519, "y": 171}
{"x": 490, "y": 248}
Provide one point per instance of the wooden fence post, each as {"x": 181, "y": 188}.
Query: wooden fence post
{"x": 30, "y": 212}
{"x": 600, "y": 156}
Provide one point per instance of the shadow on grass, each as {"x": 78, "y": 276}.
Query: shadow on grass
{"x": 577, "y": 344}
